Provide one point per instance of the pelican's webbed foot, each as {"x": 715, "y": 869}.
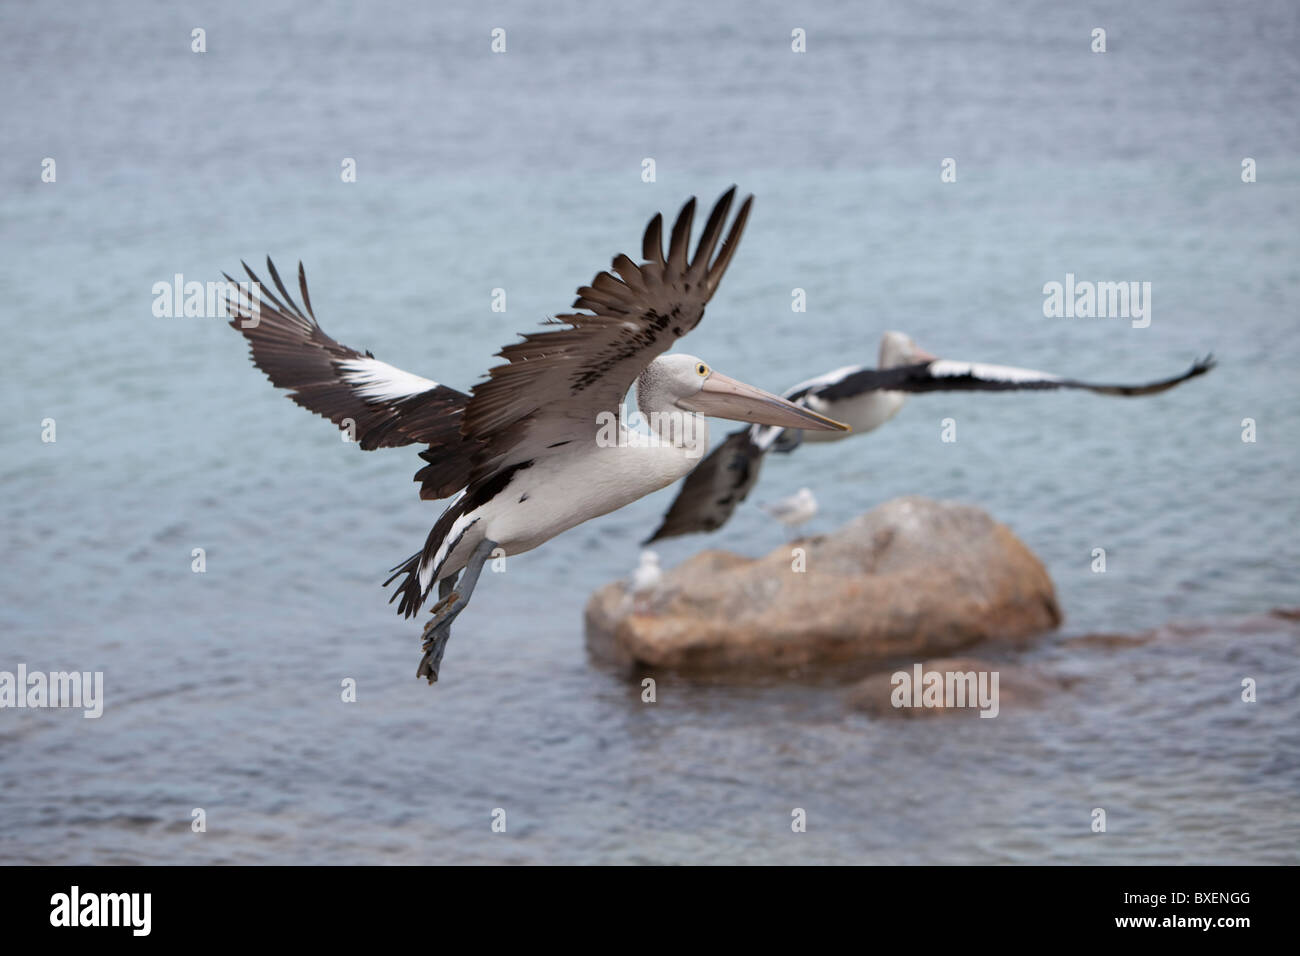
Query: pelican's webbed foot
{"x": 436, "y": 634}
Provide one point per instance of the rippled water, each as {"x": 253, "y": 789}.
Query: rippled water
{"x": 522, "y": 172}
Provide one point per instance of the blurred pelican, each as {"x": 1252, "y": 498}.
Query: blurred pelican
{"x": 863, "y": 398}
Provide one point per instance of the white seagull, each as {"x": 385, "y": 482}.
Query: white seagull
{"x": 793, "y": 511}
{"x": 863, "y": 398}
{"x": 529, "y": 449}
{"x": 645, "y": 582}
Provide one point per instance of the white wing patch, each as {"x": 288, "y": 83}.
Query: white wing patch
{"x": 449, "y": 541}
{"x": 764, "y": 435}
{"x": 377, "y": 381}
{"x": 943, "y": 368}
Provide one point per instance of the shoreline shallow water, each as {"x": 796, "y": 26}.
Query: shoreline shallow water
{"x": 1114, "y": 740}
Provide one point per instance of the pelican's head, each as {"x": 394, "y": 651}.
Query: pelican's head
{"x": 898, "y": 348}
{"x": 690, "y": 384}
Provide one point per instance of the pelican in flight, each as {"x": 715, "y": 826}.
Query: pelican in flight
{"x": 530, "y": 452}
{"x": 863, "y": 398}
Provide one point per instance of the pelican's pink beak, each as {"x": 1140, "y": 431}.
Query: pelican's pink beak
{"x": 724, "y": 397}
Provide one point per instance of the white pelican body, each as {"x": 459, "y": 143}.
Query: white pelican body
{"x": 609, "y": 478}
{"x": 556, "y": 494}
{"x": 863, "y": 413}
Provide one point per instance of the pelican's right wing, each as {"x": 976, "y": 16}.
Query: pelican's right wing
{"x": 946, "y": 375}
{"x": 385, "y": 406}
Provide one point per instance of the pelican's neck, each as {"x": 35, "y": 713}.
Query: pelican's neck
{"x": 897, "y": 349}
{"x": 674, "y": 426}
{"x": 670, "y": 424}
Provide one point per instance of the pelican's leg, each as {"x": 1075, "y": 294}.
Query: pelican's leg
{"x": 445, "y": 588}
{"x": 438, "y": 631}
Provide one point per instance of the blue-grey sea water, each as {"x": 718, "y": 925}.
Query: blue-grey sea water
{"x": 522, "y": 171}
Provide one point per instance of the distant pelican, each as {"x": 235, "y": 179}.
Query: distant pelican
{"x": 793, "y": 512}
{"x": 530, "y": 450}
{"x": 864, "y": 398}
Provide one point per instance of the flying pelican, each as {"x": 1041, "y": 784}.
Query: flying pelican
{"x": 863, "y": 398}
{"x": 793, "y": 511}
{"x": 529, "y": 452}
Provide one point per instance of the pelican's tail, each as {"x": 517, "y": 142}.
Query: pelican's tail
{"x": 409, "y": 590}
{"x": 423, "y": 569}
{"x": 438, "y": 559}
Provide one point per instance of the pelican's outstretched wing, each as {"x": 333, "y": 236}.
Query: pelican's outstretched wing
{"x": 944, "y": 375}
{"x": 711, "y": 492}
{"x": 385, "y": 406}
{"x": 555, "y": 383}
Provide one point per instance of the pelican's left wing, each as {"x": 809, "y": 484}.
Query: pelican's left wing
{"x": 555, "y": 383}
{"x": 944, "y": 375}
{"x": 710, "y": 493}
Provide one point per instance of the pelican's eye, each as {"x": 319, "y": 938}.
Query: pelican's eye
{"x": 701, "y": 370}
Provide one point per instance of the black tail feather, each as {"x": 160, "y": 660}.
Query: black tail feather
{"x": 409, "y": 590}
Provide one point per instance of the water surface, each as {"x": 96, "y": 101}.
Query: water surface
{"x": 522, "y": 171}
